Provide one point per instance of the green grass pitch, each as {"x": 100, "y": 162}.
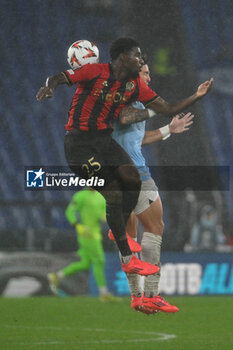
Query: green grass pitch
{"x": 50, "y": 323}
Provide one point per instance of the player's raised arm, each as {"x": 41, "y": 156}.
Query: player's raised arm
{"x": 51, "y": 84}
{"x": 160, "y": 106}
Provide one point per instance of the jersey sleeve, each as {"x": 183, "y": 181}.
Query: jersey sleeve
{"x": 146, "y": 95}
{"x": 73, "y": 208}
{"x": 71, "y": 213}
{"x": 86, "y": 73}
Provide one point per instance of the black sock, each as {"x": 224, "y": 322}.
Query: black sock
{"x": 116, "y": 223}
{"x": 131, "y": 185}
{"x": 130, "y": 199}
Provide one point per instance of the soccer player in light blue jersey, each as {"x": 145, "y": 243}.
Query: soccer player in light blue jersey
{"x": 149, "y": 207}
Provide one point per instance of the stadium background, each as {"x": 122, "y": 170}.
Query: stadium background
{"x": 184, "y": 49}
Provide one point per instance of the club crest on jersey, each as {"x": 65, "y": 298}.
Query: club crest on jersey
{"x": 129, "y": 86}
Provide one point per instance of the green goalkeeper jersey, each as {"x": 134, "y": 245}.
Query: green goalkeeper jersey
{"x": 91, "y": 207}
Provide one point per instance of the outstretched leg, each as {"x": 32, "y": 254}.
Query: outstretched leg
{"x": 152, "y": 222}
{"x": 114, "y": 215}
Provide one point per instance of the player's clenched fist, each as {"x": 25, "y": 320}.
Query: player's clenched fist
{"x": 44, "y": 92}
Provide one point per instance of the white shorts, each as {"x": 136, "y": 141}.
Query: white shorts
{"x": 148, "y": 194}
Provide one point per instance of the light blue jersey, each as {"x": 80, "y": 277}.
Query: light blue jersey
{"x": 130, "y": 138}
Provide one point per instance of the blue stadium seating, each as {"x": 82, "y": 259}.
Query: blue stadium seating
{"x": 33, "y": 47}
{"x": 209, "y": 31}
{"x": 32, "y": 133}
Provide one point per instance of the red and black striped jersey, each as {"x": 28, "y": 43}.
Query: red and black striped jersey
{"x": 99, "y": 97}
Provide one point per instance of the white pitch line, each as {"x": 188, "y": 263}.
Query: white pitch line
{"x": 103, "y": 341}
{"x": 159, "y": 336}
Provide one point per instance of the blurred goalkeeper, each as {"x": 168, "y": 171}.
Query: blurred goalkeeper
{"x": 91, "y": 208}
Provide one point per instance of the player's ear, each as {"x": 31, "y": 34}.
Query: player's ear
{"x": 122, "y": 57}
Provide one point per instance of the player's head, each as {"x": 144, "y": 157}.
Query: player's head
{"x": 122, "y": 45}
{"x": 145, "y": 74}
{"x": 126, "y": 52}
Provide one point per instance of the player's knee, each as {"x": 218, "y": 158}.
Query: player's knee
{"x": 158, "y": 228}
{"x": 84, "y": 265}
{"x": 154, "y": 226}
{"x": 113, "y": 192}
{"x": 161, "y": 227}
{"x": 130, "y": 177}
{"x": 135, "y": 183}
{"x": 113, "y": 196}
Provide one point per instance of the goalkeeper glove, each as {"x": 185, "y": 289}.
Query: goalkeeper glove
{"x": 82, "y": 230}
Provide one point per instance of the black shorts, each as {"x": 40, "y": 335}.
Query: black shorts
{"x": 94, "y": 154}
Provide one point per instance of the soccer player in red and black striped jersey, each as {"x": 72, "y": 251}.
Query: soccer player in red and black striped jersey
{"x": 102, "y": 93}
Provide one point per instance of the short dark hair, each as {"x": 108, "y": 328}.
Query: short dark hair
{"x": 145, "y": 58}
{"x": 121, "y": 45}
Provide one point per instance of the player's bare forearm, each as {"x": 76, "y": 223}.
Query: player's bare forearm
{"x": 56, "y": 80}
{"x": 152, "y": 136}
{"x": 51, "y": 84}
{"x": 163, "y": 107}
{"x": 130, "y": 115}
{"x": 179, "y": 124}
